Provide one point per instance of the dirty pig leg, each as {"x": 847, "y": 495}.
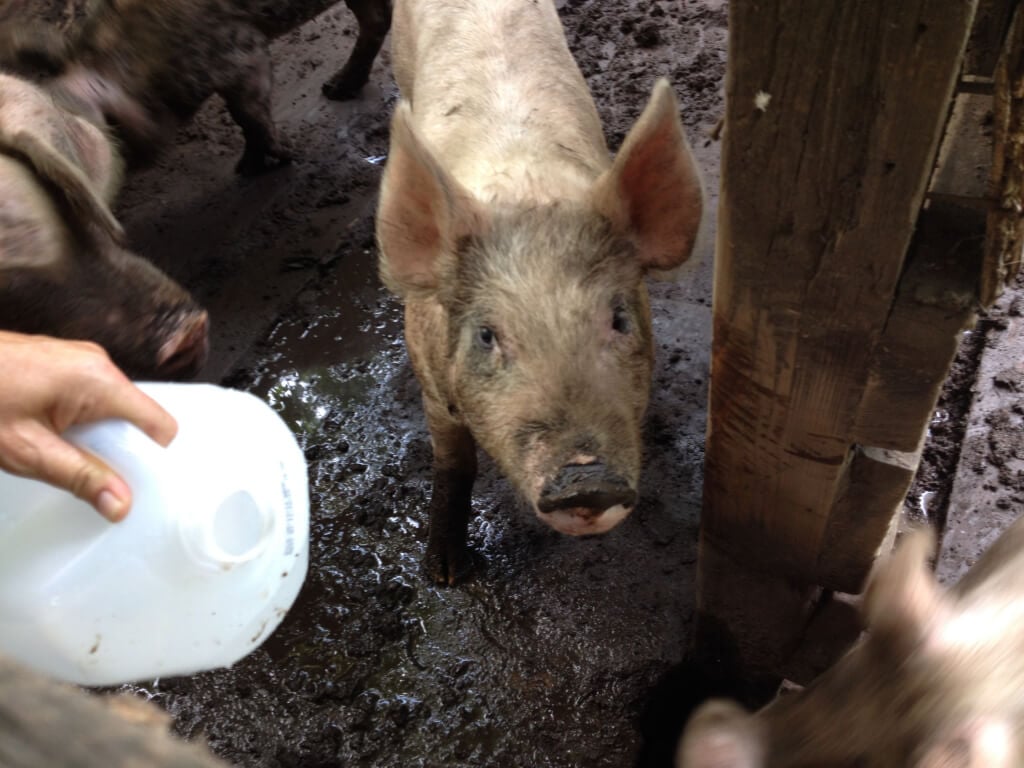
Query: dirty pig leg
{"x": 248, "y": 84}
{"x": 374, "y": 17}
{"x": 454, "y": 472}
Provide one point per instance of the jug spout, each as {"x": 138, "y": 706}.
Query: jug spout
{"x": 237, "y": 530}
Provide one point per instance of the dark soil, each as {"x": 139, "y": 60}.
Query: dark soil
{"x": 988, "y": 487}
{"x": 929, "y": 494}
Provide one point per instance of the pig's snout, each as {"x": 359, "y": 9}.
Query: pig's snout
{"x": 184, "y": 353}
{"x": 585, "y": 499}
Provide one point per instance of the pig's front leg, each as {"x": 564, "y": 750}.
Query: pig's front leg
{"x": 247, "y": 85}
{"x": 448, "y": 558}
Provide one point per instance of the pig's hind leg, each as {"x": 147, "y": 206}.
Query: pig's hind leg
{"x": 245, "y": 79}
{"x": 448, "y": 558}
{"x": 374, "y": 17}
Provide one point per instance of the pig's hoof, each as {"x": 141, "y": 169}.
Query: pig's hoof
{"x": 448, "y": 565}
{"x": 255, "y": 163}
{"x": 343, "y": 86}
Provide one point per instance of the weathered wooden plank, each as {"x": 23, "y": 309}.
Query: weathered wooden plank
{"x": 834, "y": 113}
{"x": 727, "y": 590}
{"x": 1005, "y": 232}
{"x": 965, "y": 155}
{"x": 987, "y": 34}
{"x": 870, "y": 493}
{"x": 820, "y": 193}
{"x": 935, "y": 300}
{"x": 44, "y": 724}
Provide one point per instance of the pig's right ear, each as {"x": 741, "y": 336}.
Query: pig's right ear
{"x": 902, "y": 602}
{"x": 422, "y": 215}
{"x": 721, "y": 735}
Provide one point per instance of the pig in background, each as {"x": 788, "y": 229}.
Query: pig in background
{"x": 29, "y": 49}
{"x": 146, "y": 66}
{"x": 64, "y": 268}
{"x": 938, "y": 681}
{"x": 520, "y": 251}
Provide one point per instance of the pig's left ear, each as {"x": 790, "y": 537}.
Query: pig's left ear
{"x": 721, "y": 735}
{"x": 653, "y": 190}
{"x": 67, "y": 180}
{"x": 902, "y": 601}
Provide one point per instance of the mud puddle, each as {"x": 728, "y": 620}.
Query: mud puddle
{"x": 545, "y": 657}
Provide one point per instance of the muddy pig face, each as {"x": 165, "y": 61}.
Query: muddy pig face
{"x": 148, "y": 324}
{"x": 550, "y": 347}
{"x": 548, "y": 354}
{"x": 936, "y": 683}
{"x": 63, "y": 268}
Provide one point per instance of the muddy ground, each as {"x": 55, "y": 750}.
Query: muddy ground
{"x": 558, "y": 652}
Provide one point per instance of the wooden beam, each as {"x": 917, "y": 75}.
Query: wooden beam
{"x": 1005, "y": 232}
{"x": 988, "y": 32}
{"x": 935, "y": 299}
{"x": 44, "y": 724}
{"x": 834, "y": 115}
{"x": 976, "y": 84}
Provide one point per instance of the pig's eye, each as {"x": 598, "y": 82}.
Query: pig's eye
{"x": 620, "y": 320}
{"x": 486, "y": 337}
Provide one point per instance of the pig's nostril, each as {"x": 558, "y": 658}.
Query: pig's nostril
{"x": 597, "y": 500}
{"x": 587, "y": 486}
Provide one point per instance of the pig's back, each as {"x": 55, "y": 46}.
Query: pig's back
{"x": 162, "y": 52}
{"x": 275, "y": 17}
{"x": 498, "y": 96}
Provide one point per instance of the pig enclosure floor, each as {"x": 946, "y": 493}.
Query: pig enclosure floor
{"x": 549, "y": 655}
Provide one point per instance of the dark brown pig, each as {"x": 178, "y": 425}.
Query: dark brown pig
{"x": 938, "y": 681}
{"x": 520, "y": 250}
{"x": 30, "y": 49}
{"x": 148, "y": 65}
{"x": 64, "y": 269}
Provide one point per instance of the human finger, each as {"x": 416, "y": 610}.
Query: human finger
{"x": 119, "y": 398}
{"x": 59, "y": 463}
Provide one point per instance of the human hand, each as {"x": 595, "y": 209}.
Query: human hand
{"x": 48, "y": 385}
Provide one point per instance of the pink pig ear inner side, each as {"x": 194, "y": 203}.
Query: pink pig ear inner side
{"x": 423, "y": 212}
{"x": 721, "y": 734}
{"x": 653, "y": 191}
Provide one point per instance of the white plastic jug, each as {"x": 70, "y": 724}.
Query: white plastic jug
{"x": 200, "y": 572}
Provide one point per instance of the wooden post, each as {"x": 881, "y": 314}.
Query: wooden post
{"x": 1005, "y": 232}
{"x": 44, "y": 724}
{"x": 819, "y": 393}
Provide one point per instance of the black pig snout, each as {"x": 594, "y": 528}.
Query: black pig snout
{"x": 585, "y": 486}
